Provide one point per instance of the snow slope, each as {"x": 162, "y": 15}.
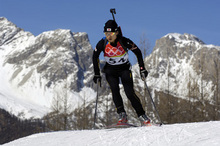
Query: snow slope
{"x": 188, "y": 134}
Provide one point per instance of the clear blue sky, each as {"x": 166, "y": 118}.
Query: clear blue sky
{"x": 155, "y": 18}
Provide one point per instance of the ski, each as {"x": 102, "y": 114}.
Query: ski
{"x": 122, "y": 125}
{"x": 128, "y": 125}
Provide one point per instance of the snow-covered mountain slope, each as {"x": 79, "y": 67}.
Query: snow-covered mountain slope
{"x": 58, "y": 63}
{"x": 180, "y": 62}
{"x": 34, "y": 70}
{"x": 188, "y": 134}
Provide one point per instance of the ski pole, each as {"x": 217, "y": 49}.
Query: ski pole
{"x": 152, "y": 101}
{"x": 96, "y": 103}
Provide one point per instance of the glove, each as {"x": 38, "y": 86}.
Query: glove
{"x": 96, "y": 79}
{"x": 143, "y": 73}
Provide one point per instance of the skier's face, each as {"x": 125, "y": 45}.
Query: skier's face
{"x": 111, "y": 36}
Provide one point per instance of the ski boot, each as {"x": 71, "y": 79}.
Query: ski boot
{"x": 145, "y": 121}
{"x": 122, "y": 118}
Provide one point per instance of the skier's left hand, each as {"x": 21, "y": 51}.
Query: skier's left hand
{"x": 143, "y": 73}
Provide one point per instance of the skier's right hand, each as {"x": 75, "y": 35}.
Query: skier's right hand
{"x": 96, "y": 79}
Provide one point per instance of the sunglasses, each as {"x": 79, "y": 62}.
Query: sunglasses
{"x": 109, "y": 33}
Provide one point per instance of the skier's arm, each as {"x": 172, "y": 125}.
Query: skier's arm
{"x": 95, "y": 57}
{"x": 134, "y": 48}
{"x": 138, "y": 54}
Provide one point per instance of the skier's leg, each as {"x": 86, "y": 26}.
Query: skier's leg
{"x": 127, "y": 81}
{"x": 113, "y": 81}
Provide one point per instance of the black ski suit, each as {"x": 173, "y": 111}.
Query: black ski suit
{"x": 118, "y": 67}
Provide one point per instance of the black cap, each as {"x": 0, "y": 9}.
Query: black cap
{"x": 110, "y": 26}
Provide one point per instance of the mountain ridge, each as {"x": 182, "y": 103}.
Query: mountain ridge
{"x": 59, "y": 63}
{"x": 41, "y": 63}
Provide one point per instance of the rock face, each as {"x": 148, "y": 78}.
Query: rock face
{"x": 55, "y": 56}
{"x": 44, "y": 63}
{"x": 180, "y": 60}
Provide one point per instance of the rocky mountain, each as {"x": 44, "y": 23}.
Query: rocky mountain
{"x": 36, "y": 68}
{"x": 182, "y": 60}
{"x": 184, "y": 79}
